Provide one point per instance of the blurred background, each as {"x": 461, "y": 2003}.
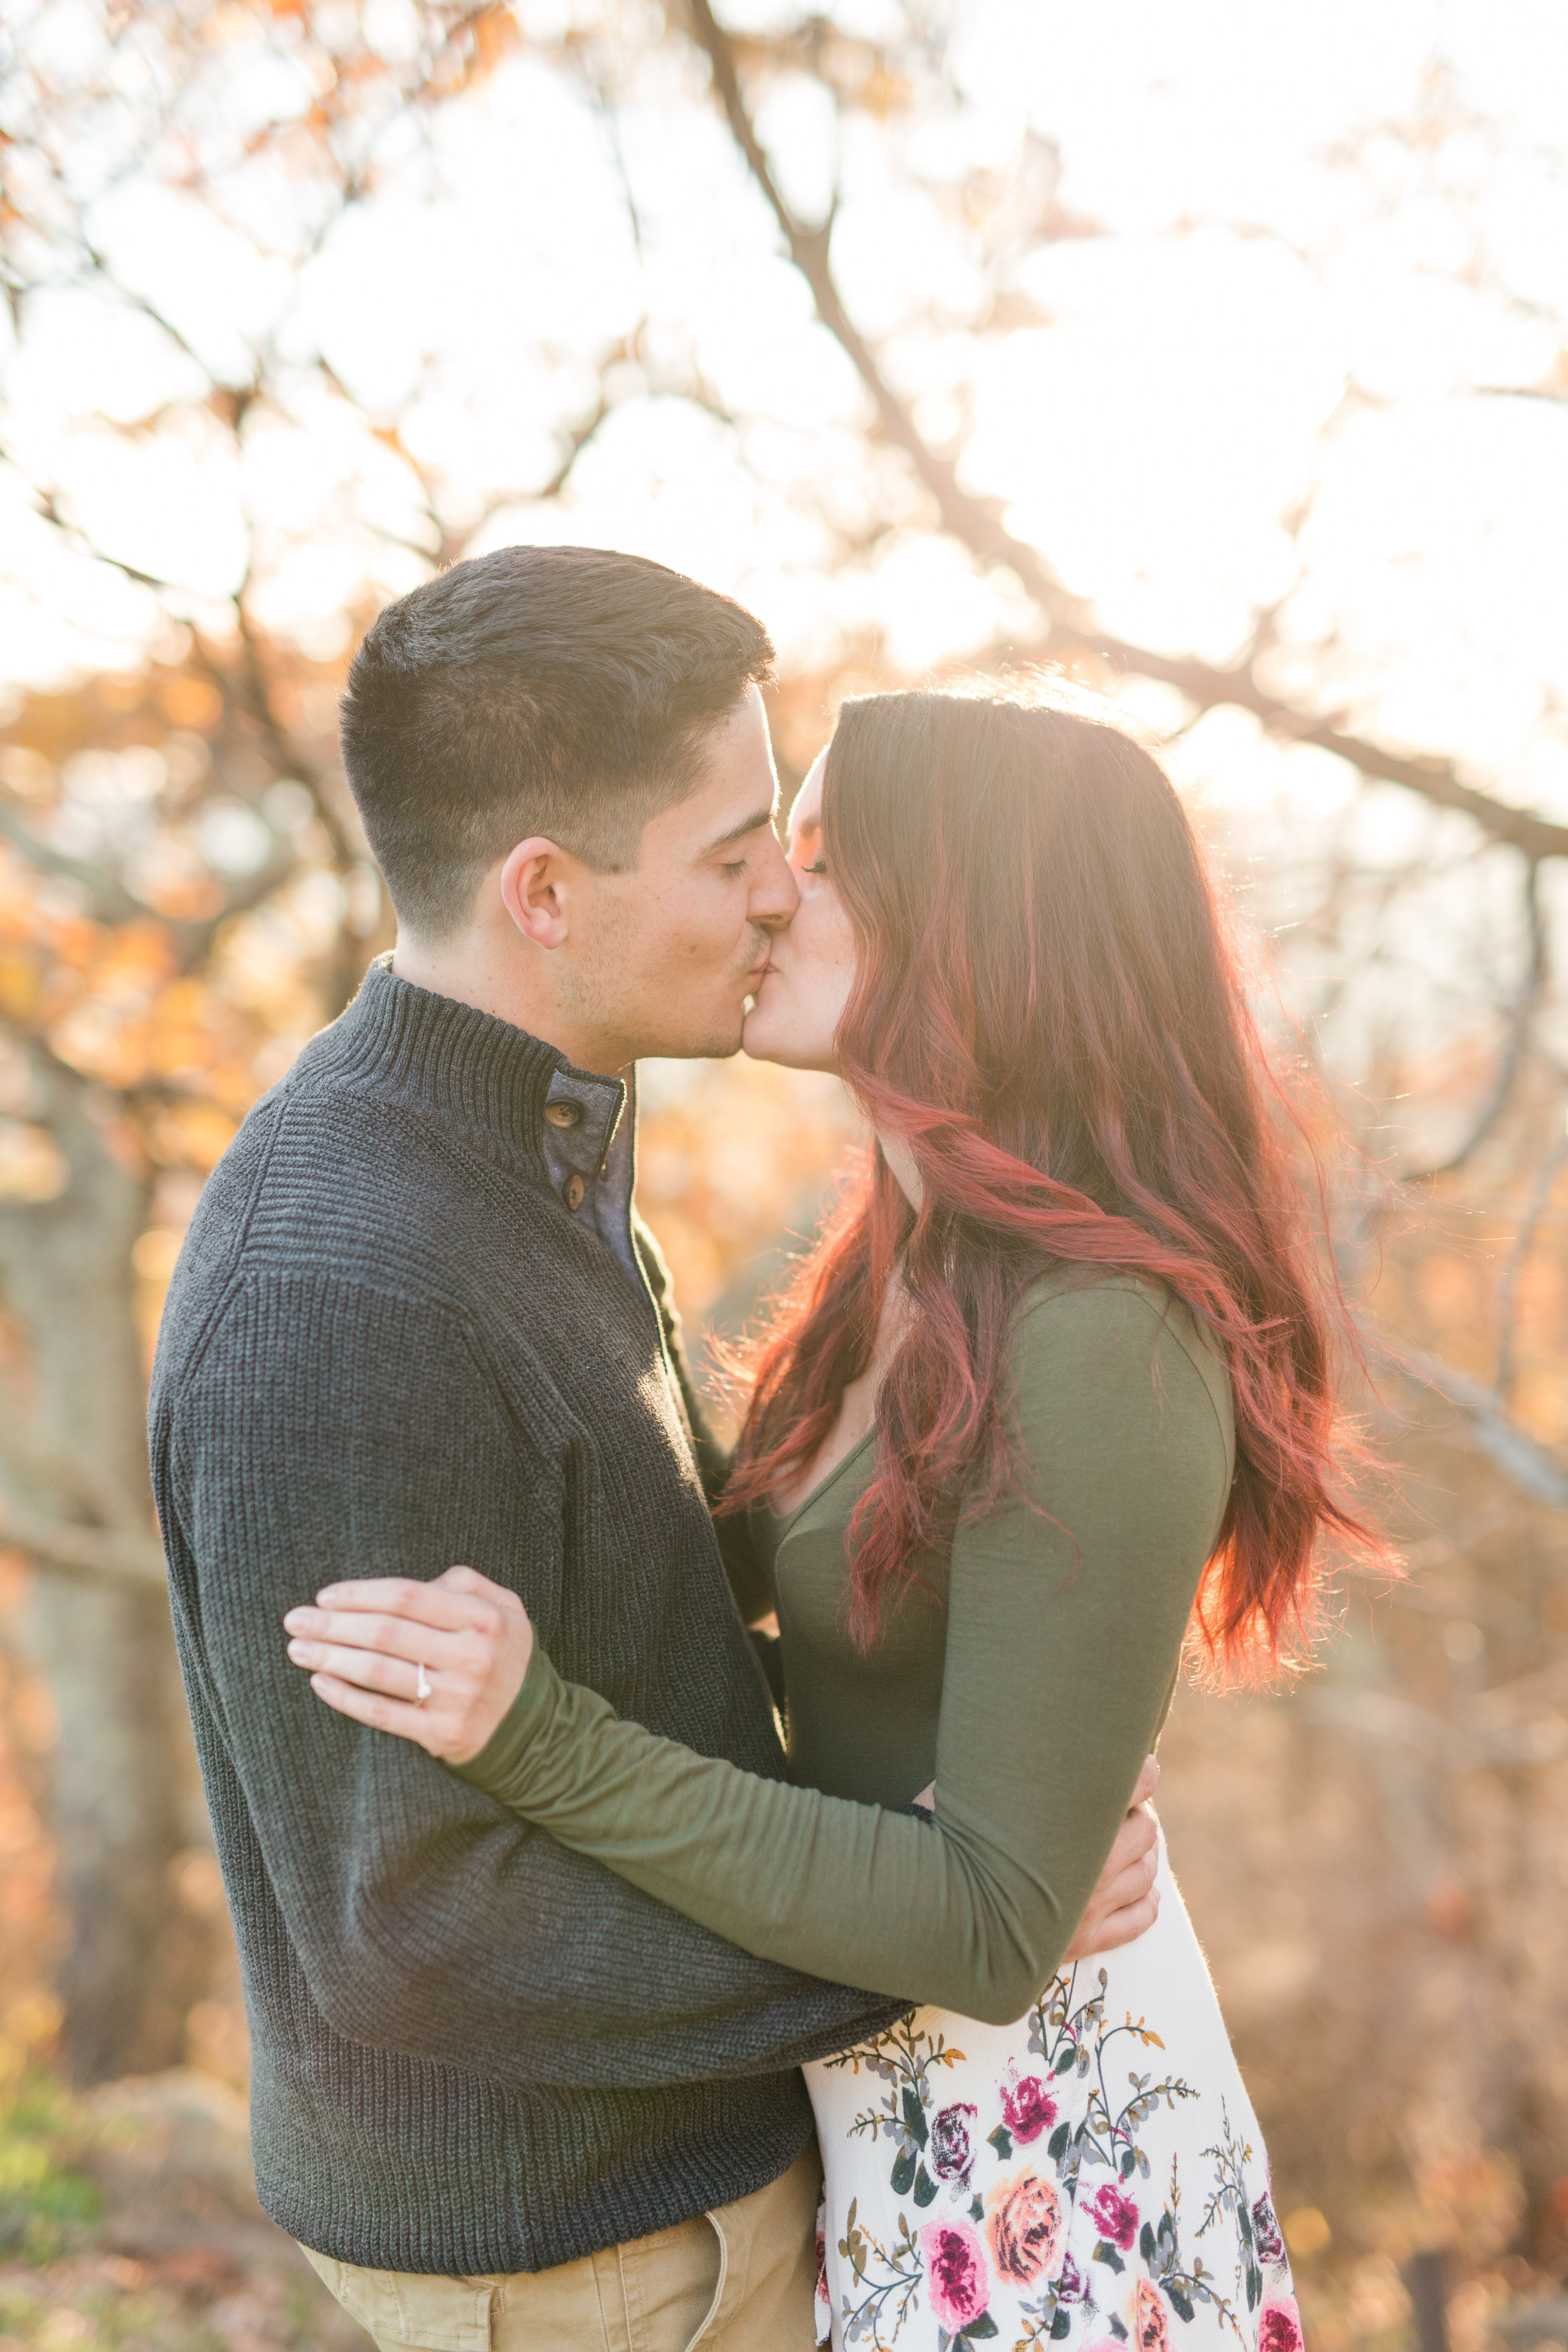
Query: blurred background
{"x": 1216, "y": 357}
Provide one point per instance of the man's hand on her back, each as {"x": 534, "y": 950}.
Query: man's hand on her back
{"x": 1126, "y": 1901}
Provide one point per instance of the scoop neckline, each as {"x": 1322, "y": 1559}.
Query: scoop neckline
{"x": 787, "y": 1518}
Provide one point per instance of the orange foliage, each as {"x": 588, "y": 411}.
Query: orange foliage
{"x": 113, "y": 955}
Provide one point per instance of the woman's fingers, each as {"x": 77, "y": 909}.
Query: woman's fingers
{"x": 458, "y": 1618}
{"x": 442, "y": 1725}
{"x": 1106, "y": 1931}
{"x": 381, "y": 1713}
{"x": 1125, "y": 1902}
{"x": 393, "y": 1637}
{"x": 1138, "y": 1840}
{"x": 440, "y": 1604}
{"x": 368, "y": 1669}
{"x": 367, "y": 1639}
{"x": 1123, "y": 1926}
{"x": 467, "y": 1580}
{"x": 1129, "y": 1884}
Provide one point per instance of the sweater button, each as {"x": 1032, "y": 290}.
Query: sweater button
{"x": 562, "y": 1114}
{"x": 575, "y": 1189}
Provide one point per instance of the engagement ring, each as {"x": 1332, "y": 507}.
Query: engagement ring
{"x": 421, "y": 1687}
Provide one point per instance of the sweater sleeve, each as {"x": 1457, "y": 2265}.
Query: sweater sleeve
{"x": 1066, "y": 1611}
{"x": 426, "y": 1917}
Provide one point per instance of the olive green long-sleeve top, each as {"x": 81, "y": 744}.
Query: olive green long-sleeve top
{"x": 1028, "y": 1674}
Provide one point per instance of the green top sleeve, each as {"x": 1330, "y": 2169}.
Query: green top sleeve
{"x": 1067, "y": 1608}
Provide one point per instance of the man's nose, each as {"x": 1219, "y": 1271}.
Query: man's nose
{"x": 775, "y": 893}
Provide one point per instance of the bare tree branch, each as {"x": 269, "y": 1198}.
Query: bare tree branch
{"x": 53, "y": 512}
{"x": 241, "y": 396}
{"x": 1383, "y": 1716}
{"x": 108, "y": 898}
{"x": 576, "y": 440}
{"x": 254, "y": 692}
{"x": 1555, "y": 394}
{"x": 974, "y": 520}
{"x": 1532, "y": 1467}
{"x": 253, "y": 689}
{"x": 99, "y": 1552}
{"x": 1511, "y": 1058}
{"x": 67, "y": 1482}
{"x": 1524, "y": 1241}
{"x": 977, "y": 524}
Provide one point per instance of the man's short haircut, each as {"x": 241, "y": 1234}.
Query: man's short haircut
{"x": 555, "y": 690}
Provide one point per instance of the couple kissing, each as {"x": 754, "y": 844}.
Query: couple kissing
{"x": 585, "y": 2009}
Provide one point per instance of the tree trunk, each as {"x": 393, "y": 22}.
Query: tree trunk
{"x": 121, "y": 1782}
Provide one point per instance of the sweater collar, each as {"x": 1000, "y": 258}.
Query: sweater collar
{"x": 468, "y": 1069}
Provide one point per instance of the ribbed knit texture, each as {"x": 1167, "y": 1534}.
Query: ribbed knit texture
{"x": 389, "y": 1346}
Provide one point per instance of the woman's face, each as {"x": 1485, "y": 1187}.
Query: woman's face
{"x": 802, "y": 997}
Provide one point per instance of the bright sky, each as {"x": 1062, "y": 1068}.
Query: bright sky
{"x": 1322, "y": 254}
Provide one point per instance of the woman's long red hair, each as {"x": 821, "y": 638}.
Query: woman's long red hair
{"x": 1047, "y": 1011}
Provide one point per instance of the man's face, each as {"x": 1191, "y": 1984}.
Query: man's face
{"x": 666, "y": 955}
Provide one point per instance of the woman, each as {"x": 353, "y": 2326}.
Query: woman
{"x": 1050, "y": 1399}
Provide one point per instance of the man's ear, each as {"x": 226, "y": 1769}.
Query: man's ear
{"x": 536, "y": 889}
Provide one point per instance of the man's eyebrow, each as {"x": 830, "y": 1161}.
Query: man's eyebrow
{"x": 738, "y": 831}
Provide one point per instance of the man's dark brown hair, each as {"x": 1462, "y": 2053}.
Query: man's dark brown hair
{"x": 558, "y": 690}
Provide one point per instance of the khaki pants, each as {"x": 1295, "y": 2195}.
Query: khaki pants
{"x": 741, "y": 2279}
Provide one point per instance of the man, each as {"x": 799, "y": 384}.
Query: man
{"x": 501, "y": 2098}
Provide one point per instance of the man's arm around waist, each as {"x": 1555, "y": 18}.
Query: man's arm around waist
{"x": 329, "y": 1429}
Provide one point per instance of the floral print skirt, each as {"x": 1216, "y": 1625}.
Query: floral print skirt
{"x": 1090, "y": 2177}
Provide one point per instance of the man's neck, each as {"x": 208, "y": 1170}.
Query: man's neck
{"x": 471, "y": 972}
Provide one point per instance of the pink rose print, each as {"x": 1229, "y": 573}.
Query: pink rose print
{"x": 956, "y": 2275}
{"x": 1150, "y": 2332}
{"x": 951, "y": 2153}
{"x": 1024, "y": 2223}
{"x": 1027, "y": 2107}
{"x": 1266, "y": 2231}
{"x": 1280, "y": 2326}
{"x": 1115, "y": 2216}
{"x": 1071, "y": 2285}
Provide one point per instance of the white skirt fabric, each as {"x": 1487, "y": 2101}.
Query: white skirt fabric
{"x": 1090, "y": 2177}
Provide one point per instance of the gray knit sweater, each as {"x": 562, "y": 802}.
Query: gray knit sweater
{"x": 391, "y": 1343}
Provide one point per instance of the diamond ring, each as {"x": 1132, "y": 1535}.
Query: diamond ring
{"x": 422, "y": 1689}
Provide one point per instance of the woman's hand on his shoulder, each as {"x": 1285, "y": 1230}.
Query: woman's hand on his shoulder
{"x": 440, "y": 1664}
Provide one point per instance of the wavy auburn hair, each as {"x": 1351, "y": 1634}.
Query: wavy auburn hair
{"x": 1048, "y": 1013}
